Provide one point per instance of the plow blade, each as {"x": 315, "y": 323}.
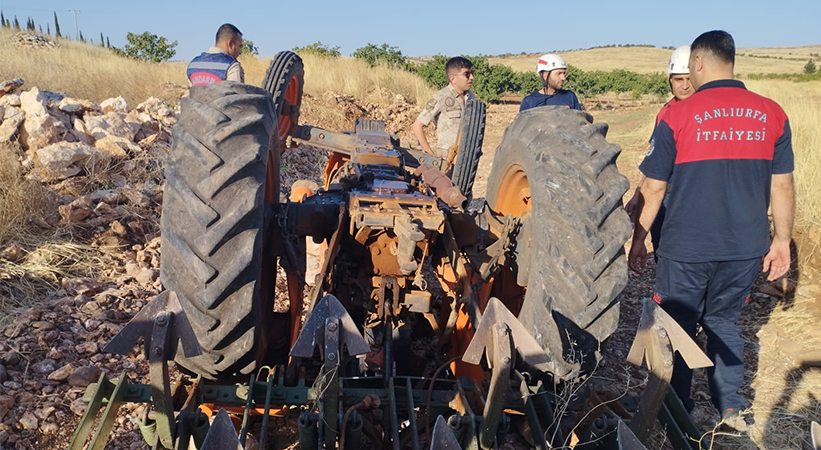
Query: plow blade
{"x": 443, "y": 438}
{"x": 222, "y": 435}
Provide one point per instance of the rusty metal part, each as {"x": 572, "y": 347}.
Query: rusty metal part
{"x": 656, "y": 340}
{"x": 222, "y": 435}
{"x": 380, "y": 211}
{"x": 369, "y": 402}
{"x": 443, "y": 438}
{"x": 409, "y": 235}
{"x": 142, "y": 325}
{"x": 320, "y": 284}
{"x": 444, "y": 188}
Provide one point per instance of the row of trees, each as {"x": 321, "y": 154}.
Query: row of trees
{"x": 492, "y": 81}
{"x": 33, "y": 27}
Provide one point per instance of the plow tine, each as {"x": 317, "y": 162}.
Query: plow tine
{"x": 394, "y": 419}
{"x": 248, "y": 404}
{"x": 815, "y": 432}
{"x": 626, "y": 439}
{"x": 443, "y": 438}
{"x": 222, "y": 435}
{"x": 105, "y": 390}
{"x": 269, "y": 391}
{"x": 412, "y": 416}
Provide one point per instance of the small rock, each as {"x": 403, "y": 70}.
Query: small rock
{"x": 33, "y": 102}
{"x": 118, "y": 228}
{"x": 44, "y": 412}
{"x": 111, "y": 124}
{"x": 146, "y": 276}
{"x": 55, "y": 354}
{"x": 10, "y": 359}
{"x": 12, "y": 384}
{"x": 43, "y": 325}
{"x": 78, "y": 406}
{"x": 10, "y": 100}
{"x": 4, "y": 436}
{"x": 112, "y": 198}
{"x": 116, "y": 147}
{"x": 87, "y": 348}
{"x": 11, "y": 85}
{"x": 62, "y": 373}
{"x": 28, "y": 421}
{"x": 92, "y": 324}
{"x": 84, "y": 376}
{"x": 4, "y": 374}
{"x": 10, "y": 128}
{"x": 81, "y": 285}
{"x": 61, "y": 160}
{"x": 81, "y": 132}
{"x": 116, "y": 104}
{"x": 12, "y": 252}
{"x": 45, "y": 366}
{"x": 40, "y": 131}
{"x": 75, "y": 211}
{"x": 49, "y": 428}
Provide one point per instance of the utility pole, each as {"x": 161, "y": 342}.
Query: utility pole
{"x": 76, "y": 29}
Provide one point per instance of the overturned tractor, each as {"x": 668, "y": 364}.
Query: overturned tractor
{"x": 431, "y": 323}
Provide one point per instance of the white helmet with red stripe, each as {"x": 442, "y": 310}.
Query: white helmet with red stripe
{"x": 679, "y": 63}
{"x": 550, "y": 62}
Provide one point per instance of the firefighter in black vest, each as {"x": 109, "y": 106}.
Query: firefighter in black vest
{"x": 728, "y": 156}
{"x": 219, "y": 63}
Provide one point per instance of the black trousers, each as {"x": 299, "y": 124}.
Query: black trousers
{"x": 712, "y": 294}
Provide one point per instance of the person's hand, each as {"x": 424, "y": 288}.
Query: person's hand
{"x": 633, "y": 206}
{"x": 777, "y": 261}
{"x": 637, "y": 257}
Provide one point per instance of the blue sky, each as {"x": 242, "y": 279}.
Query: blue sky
{"x": 427, "y": 27}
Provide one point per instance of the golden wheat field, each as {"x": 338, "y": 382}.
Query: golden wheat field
{"x": 649, "y": 59}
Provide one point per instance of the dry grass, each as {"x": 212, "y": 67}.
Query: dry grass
{"x": 49, "y": 254}
{"x": 649, "y": 60}
{"x": 801, "y": 102}
{"x": 86, "y": 71}
{"x": 348, "y": 76}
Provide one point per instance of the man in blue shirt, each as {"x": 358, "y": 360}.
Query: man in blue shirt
{"x": 219, "y": 63}
{"x": 551, "y": 69}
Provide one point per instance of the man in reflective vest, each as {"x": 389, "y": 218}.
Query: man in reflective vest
{"x": 219, "y": 63}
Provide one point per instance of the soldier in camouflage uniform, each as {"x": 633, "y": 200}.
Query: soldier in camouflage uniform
{"x": 446, "y": 108}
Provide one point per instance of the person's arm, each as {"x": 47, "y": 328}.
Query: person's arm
{"x": 418, "y": 129}
{"x": 634, "y": 205}
{"x": 651, "y": 193}
{"x": 782, "y": 202}
{"x": 235, "y": 73}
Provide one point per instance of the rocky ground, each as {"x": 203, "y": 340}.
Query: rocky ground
{"x": 101, "y": 168}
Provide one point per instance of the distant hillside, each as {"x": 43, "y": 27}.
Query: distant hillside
{"x": 649, "y": 59}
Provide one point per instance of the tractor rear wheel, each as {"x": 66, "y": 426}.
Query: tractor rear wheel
{"x": 212, "y": 223}
{"x": 285, "y": 79}
{"x": 555, "y": 169}
{"x": 471, "y": 136}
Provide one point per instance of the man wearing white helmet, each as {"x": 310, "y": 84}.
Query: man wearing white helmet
{"x": 678, "y": 73}
{"x": 551, "y": 69}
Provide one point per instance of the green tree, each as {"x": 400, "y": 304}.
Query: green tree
{"x": 107, "y": 42}
{"x": 16, "y": 24}
{"x": 383, "y": 54}
{"x": 56, "y": 26}
{"x": 2, "y": 19}
{"x": 48, "y": 29}
{"x": 30, "y": 25}
{"x": 320, "y": 49}
{"x": 82, "y": 39}
{"x": 809, "y": 68}
{"x": 102, "y": 40}
{"x": 149, "y": 47}
{"x": 249, "y": 48}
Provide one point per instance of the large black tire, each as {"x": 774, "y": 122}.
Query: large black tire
{"x": 286, "y": 68}
{"x": 570, "y": 252}
{"x": 212, "y": 222}
{"x": 471, "y": 136}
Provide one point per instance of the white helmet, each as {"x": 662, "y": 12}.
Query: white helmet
{"x": 679, "y": 63}
{"x": 550, "y": 62}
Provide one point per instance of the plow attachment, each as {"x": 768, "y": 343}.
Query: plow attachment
{"x": 342, "y": 411}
